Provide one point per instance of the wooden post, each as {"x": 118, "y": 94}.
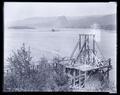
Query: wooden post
{"x": 80, "y": 41}
{"x": 80, "y": 46}
{"x": 85, "y": 42}
{"x": 88, "y": 50}
{"x": 79, "y": 79}
{"x": 85, "y": 47}
{"x": 73, "y": 77}
{"x": 108, "y": 70}
{"x": 108, "y": 75}
{"x": 85, "y": 78}
{"x": 93, "y": 48}
{"x": 109, "y": 61}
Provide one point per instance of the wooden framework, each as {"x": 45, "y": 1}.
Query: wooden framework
{"x": 84, "y": 60}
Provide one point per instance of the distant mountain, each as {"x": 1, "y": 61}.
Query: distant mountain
{"x": 105, "y": 22}
{"x": 86, "y": 22}
{"x": 61, "y": 22}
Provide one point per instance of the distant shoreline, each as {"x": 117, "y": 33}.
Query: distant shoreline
{"x": 20, "y": 27}
{"x": 55, "y": 29}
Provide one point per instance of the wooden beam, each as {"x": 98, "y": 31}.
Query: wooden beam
{"x": 81, "y": 50}
{"x": 74, "y": 77}
{"x": 74, "y": 50}
{"x": 80, "y": 41}
{"x": 79, "y": 79}
{"x": 88, "y": 50}
{"x": 93, "y": 48}
{"x": 85, "y": 78}
{"x": 85, "y": 42}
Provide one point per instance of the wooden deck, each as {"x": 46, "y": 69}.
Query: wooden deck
{"x": 86, "y": 67}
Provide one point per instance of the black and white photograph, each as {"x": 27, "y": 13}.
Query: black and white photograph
{"x": 60, "y": 47}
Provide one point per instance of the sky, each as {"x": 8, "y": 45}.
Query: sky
{"x": 17, "y": 11}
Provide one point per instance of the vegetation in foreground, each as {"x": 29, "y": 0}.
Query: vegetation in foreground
{"x": 24, "y": 75}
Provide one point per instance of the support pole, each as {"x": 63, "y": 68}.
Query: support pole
{"x": 108, "y": 75}
{"x": 79, "y": 79}
{"x": 85, "y": 43}
{"x": 80, "y": 46}
{"x": 73, "y": 77}
{"x": 108, "y": 70}
{"x": 93, "y": 48}
{"x": 85, "y": 78}
{"x": 79, "y": 41}
{"x": 85, "y": 48}
{"x": 88, "y": 50}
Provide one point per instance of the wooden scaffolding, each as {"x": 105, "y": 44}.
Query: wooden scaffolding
{"x": 85, "y": 59}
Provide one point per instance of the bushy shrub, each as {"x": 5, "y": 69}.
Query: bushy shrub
{"x": 60, "y": 78}
{"x": 19, "y": 64}
{"x": 23, "y": 77}
{"x": 20, "y": 61}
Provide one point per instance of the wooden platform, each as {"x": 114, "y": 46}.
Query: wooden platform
{"x": 87, "y": 67}
{"x": 84, "y": 67}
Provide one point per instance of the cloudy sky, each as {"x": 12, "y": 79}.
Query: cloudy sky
{"x": 16, "y": 11}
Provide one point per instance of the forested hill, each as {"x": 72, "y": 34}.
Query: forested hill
{"x": 105, "y": 21}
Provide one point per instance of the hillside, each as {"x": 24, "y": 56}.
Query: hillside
{"x": 106, "y": 22}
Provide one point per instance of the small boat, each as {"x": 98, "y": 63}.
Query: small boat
{"x": 53, "y": 30}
